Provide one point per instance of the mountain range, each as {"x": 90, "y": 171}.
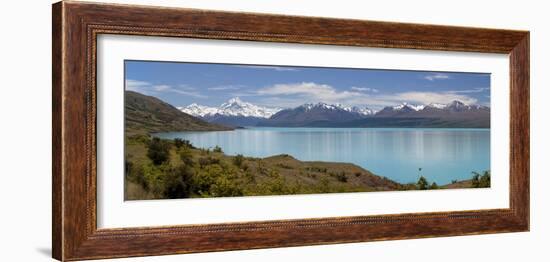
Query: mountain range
{"x": 235, "y": 112}
{"x": 313, "y": 114}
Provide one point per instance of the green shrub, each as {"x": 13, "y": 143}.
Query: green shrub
{"x": 186, "y": 156}
{"x": 238, "y": 160}
{"x": 215, "y": 180}
{"x": 158, "y": 151}
{"x": 434, "y": 186}
{"x": 341, "y": 177}
{"x": 135, "y": 174}
{"x": 323, "y": 185}
{"x": 178, "y": 182}
{"x": 485, "y": 180}
{"x": 422, "y": 183}
{"x": 138, "y": 139}
{"x": 479, "y": 180}
{"x": 217, "y": 149}
{"x": 224, "y": 187}
{"x": 205, "y": 178}
{"x": 178, "y": 142}
{"x": 152, "y": 177}
{"x": 205, "y": 161}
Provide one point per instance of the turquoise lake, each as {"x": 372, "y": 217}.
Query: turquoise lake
{"x": 442, "y": 155}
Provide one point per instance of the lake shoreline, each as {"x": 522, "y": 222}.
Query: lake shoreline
{"x": 212, "y": 173}
{"x": 429, "y": 152}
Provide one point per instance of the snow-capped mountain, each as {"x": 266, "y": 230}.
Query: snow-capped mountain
{"x": 400, "y": 109}
{"x": 454, "y": 114}
{"x": 236, "y": 107}
{"x": 319, "y": 114}
{"x": 234, "y": 112}
{"x": 458, "y": 106}
{"x": 320, "y": 105}
{"x": 353, "y": 109}
{"x": 356, "y": 109}
{"x": 406, "y": 106}
{"x": 432, "y": 109}
{"x": 436, "y": 105}
{"x": 233, "y": 107}
{"x": 198, "y": 110}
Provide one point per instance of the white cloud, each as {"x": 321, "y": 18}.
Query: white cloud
{"x": 225, "y": 87}
{"x": 364, "y": 89}
{"x": 186, "y": 87}
{"x": 162, "y": 88}
{"x": 276, "y": 68}
{"x": 466, "y": 91}
{"x": 429, "y": 97}
{"x": 288, "y": 95}
{"x": 436, "y": 76}
{"x": 319, "y": 92}
{"x": 149, "y": 88}
{"x": 135, "y": 85}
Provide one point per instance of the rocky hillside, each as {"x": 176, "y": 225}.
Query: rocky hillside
{"x": 146, "y": 114}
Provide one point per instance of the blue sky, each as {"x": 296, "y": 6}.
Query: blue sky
{"x": 181, "y": 84}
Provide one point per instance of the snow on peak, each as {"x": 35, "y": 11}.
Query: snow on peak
{"x": 360, "y": 110}
{"x": 236, "y": 107}
{"x": 328, "y": 106}
{"x": 310, "y": 106}
{"x": 353, "y": 109}
{"x": 409, "y": 106}
{"x": 454, "y": 105}
{"x": 233, "y": 107}
{"x": 198, "y": 110}
{"x": 458, "y": 105}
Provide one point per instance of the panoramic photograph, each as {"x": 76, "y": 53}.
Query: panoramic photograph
{"x": 201, "y": 130}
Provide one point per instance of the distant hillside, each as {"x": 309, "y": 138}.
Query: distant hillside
{"x": 146, "y": 114}
{"x": 233, "y": 121}
{"x": 453, "y": 115}
{"x": 414, "y": 122}
{"x": 311, "y": 115}
{"x": 237, "y": 113}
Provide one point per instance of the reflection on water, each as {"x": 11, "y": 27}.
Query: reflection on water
{"x": 397, "y": 153}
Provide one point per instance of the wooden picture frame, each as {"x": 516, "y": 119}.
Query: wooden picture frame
{"x": 76, "y": 26}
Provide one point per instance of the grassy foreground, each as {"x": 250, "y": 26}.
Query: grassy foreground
{"x": 161, "y": 169}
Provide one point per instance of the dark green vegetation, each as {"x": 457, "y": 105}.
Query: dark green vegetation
{"x": 158, "y": 169}
{"x": 477, "y": 181}
{"x": 146, "y": 114}
{"x": 481, "y": 180}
